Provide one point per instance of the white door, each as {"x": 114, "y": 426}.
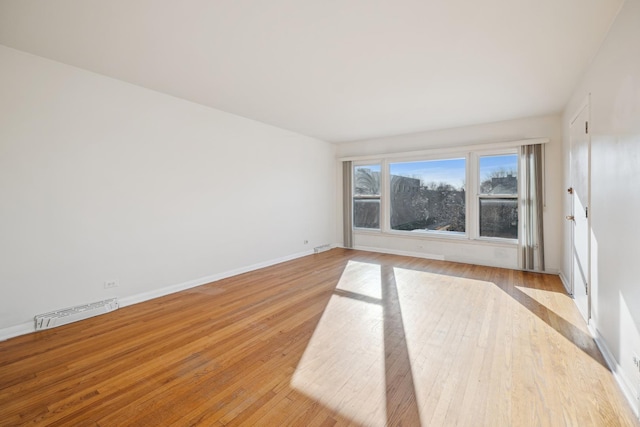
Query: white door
{"x": 580, "y": 183}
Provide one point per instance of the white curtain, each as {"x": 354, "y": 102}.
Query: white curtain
{"x": 532, "y": 204}
{"x": 347, "y": 205}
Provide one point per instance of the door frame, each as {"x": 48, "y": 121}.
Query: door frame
{"x": 585, "y": 105}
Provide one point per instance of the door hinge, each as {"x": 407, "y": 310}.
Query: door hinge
{"x": 586, "y": 127}
{"x": 586, "y": 212}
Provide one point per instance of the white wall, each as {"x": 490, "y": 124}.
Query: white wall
{"x": 613, "y": 80}
{"x": 468, "y": 251}
{"x": 104, "y": 180}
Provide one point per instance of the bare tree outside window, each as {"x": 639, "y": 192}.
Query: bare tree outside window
{"x": 366, "y": 197}
{"x": 428, "y": 196}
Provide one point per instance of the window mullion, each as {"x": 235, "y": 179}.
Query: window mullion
{"x": 385, "y": 204}
{"x": 472, "y": 196}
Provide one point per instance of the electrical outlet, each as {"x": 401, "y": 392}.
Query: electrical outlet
{"x": 110, "y": 284}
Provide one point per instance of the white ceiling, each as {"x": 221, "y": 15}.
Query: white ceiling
{"x": 337, "y": 70}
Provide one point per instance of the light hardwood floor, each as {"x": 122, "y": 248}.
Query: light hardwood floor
{"x": 339, "y": 338}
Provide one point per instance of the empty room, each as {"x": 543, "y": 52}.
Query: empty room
{"x": 319, "y": 213}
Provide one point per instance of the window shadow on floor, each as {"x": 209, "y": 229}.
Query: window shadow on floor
{"x": 400, "y": 391}
{"x": 575, "y": 335}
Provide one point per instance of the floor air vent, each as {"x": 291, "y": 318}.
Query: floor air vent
{"x": 73, "y": 314}
{"x": 322, "y": 248}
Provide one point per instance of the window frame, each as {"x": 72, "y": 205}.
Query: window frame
{"x": 480, "y": 196}
{"x": 380, "y": 164}
{"x": 426, "y": 233}
{"x": 471, "y": 155}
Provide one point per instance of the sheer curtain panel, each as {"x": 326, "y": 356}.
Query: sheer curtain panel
{"x": 347, "y": 205}
{"x": 532, "y": 236}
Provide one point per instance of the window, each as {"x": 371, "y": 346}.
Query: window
{"x": 428, "y": 195}
{"x": 498, "y": 196}
{"x": 366, "y": 196}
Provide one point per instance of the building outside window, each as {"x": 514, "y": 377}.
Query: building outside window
{"x": 430, "y": 197}
{"x": 498, "y": 196}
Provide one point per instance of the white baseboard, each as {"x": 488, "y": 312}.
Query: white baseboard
{"x": 565, "y": 282}
{"x": 395, "y": 252}
{"x": 156, "y": 293}
{"x": 623, "y": 382}
{"x": 438, "y": 257}
{"x": 17, "y": 330}
{"x": 29, "y": 327}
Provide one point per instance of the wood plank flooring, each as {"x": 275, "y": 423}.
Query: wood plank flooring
{"x": 338, "y": 338}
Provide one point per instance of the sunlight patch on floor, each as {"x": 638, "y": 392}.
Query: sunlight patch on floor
{"x": 542, "y": 296}
{"x": 402, "y": 346}
{"x": 447, "y": 322}
{"x": 362, "y": 279}
{"x": 343, "y": 366}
